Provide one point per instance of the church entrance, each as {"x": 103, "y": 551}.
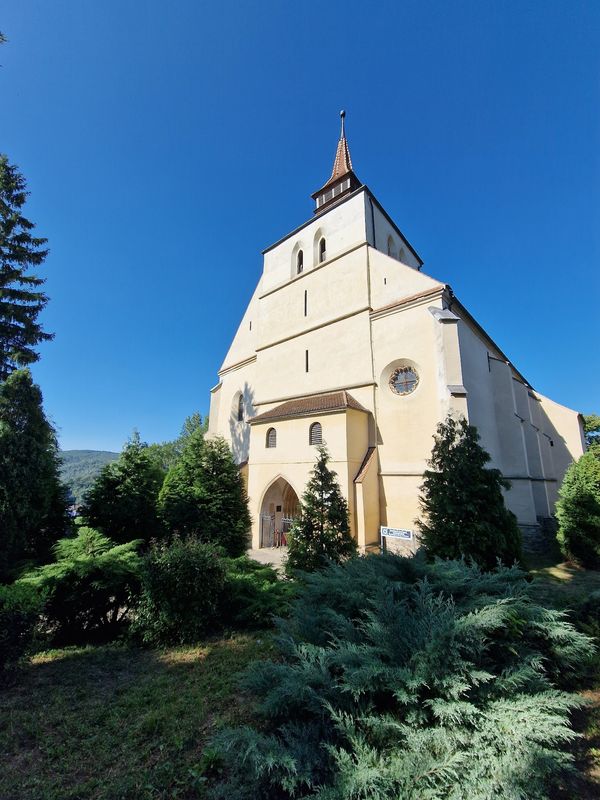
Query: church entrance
{"x": 280, "y": 507}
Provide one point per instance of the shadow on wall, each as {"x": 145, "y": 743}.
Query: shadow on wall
{"x": 242, "y": 409}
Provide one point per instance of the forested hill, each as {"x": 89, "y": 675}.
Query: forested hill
{"x": 80, "y": 467}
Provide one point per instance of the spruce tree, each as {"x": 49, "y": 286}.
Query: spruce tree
{"x": 462, "y": 501}
{"x": 122, "y": 502}
{"x": 322, "y": 534}
{"x": 20, "y": 297}
{"x": 578, "y": 510}
{"x": 33, "y": 502}
{"x": 204, "y": 495}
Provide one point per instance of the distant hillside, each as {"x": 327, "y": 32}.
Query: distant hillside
{"x": 80, "y": 467}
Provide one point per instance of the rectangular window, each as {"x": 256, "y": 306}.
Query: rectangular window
{"x": 306, "y": 360}
{"x": 305, "y": 302}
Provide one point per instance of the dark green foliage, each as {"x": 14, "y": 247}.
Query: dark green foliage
{"x": 166, "y": 454}
{"x": 20, "y": 608}
{"x": 253, "y": 594}
{"x": 402, "y": 678}
{"x": 182, "y": 587}
{"x": 578, "y": 510}
{"x": 20, "y": 298}
{"x": 33, "y": 502}
{"x": 89, "y": 587}
{"x": 122, "y": 501}
{"x": 204, "y": 496}
{"x": 80, "y": 468}
{"x": 462, "y": 501}
{"x": 322, "y": 534}
{"x": 591, "y": 426}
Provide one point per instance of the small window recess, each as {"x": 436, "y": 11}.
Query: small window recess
{"x": 240, "y": 412}
{"x": 306, "y": 360}
{"x": 299, "y": 262}
{"x": 271, "y": 438}
{"x": 305, "y": 303}
{"x": 322, "y": 250}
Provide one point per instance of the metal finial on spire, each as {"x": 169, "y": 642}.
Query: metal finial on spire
{"x": 342, "y": 115}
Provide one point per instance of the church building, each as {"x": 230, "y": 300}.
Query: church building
{"x": 347, "y": 341}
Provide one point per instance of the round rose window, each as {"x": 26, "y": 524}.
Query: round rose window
{"x": 404, "y": 380}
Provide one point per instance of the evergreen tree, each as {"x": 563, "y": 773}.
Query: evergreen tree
{"x": 322, "y": 534}
{"x": 33, "y": 502}
{"x": 591, "y": 426}
{"x": 20, "y": 298}
{"x": 578, "y": 510}
{"x": 204, "y": 496}
{"x": 165, "y": 454}
{"x": 122, "y": 502}
{"x": 465, "y": 514}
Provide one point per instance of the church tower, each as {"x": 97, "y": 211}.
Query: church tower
{"x": 346, "y": 341}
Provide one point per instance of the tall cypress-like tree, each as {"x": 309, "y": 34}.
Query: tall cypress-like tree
{"x": 33, "y": 502}
{"x": 122, "y": 501}
{"x": 204, "y": 495}
{"x": 20, "y": 297}
{"x": 465, "y": 514}
{"x": 578, "y": 510}
{"x": 322, "y": 534}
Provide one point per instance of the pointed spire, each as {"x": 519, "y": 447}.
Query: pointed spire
{"x": 342, "y": 180}
{"x": 342, "y": 163}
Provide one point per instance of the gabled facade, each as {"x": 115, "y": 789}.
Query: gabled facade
{"x": 347, "y": 341}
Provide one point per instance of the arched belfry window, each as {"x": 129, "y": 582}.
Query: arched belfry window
{"x": 299, "y": 262}
{"x": 240, "y": 409}
{"x": 315, "y": 433}
{"x": 271, "y": 438}
{"x": 322, "y": 250}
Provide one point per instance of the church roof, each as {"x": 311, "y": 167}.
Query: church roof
{"x": 342, "y": 167}
{"x": 313, "y": 404}
{"x": 342, "y": 163}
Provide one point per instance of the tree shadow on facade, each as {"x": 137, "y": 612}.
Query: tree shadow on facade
{"x": 239, "y": 429}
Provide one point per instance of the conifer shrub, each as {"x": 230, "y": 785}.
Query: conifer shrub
{"x": 322, "y": 533}
{"x": 253, "y": 594}
{"x": 464, "y": 511}
{"x": 182, "y": 587}
{"x": 20, "y": 609}
{"x": 122, "y": 501}
{"x": 578, "y": 510}
{"x": 403, "y": 678}
{"x": 88, "y": 588}
{"x": 203, "y": 495}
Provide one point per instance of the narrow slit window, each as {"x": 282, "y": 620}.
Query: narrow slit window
{"x": 322, "y": 250}
{"x": 305, "y": 302}
{"x": 271, "y": 440}
{"x": 240, "y": 412}
{"x": 299, "y": 262}
{"x": 306, "y": 360}
{"x": 315, "y": 433}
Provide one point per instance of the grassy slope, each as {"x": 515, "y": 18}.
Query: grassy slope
{"x": 112, "y": 722}
{"x": 562, "y": 585}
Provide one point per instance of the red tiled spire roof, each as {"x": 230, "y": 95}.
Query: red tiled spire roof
{"x": 342, "y": 164}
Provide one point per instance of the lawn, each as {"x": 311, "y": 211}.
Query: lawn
{"x": 115, "y": 722}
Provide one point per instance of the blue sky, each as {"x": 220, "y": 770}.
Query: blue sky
{"x": 166, "y": 144}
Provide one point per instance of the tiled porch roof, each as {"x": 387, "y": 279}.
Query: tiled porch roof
{"x": 314, "y": 404}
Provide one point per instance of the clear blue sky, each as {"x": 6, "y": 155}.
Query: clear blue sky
{"x": 166, "y": 143}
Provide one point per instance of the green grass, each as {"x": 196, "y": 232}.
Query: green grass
{"x": 114, "y": 722}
